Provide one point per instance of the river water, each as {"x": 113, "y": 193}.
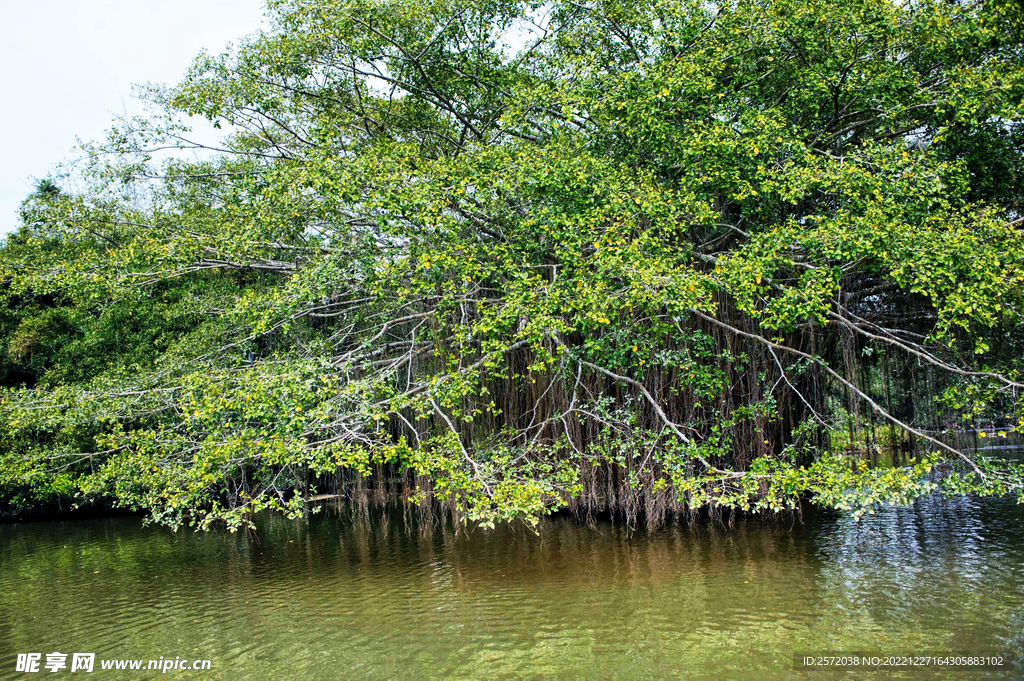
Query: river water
{"x": 374, "y": 596}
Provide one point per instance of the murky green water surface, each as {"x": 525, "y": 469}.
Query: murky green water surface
{"x": 376, "y": 597}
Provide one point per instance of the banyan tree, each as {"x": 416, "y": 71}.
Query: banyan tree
{"x": 513, "y": 256}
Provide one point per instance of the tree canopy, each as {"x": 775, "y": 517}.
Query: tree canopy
{"x": 517, "y": 256}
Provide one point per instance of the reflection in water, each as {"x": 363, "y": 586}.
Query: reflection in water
{"x": 376, "y": 596}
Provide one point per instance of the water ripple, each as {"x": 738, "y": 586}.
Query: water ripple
{"x": 339, "y": 597}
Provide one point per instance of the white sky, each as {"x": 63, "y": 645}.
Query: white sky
{"x": 67, "y": 67}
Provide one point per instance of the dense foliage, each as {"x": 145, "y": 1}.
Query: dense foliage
{"x": 515, "y": 256}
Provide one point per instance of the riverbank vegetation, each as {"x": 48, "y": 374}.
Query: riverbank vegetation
{"x": 518, "y": 256}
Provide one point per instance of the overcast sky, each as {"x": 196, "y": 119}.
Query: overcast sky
{"x": 67, "y": 66}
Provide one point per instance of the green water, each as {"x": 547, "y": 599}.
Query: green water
{"x": 375, "y": 597}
